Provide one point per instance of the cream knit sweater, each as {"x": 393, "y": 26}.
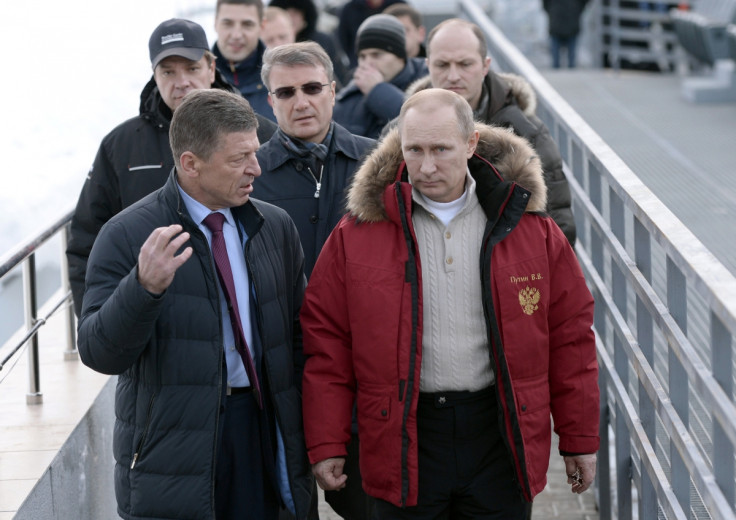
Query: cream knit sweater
{"x": 455, "y": 354}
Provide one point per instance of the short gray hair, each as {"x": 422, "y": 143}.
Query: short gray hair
{"x": 293, "y": 54}
{"x": 204, "y": 117}
{"x": 441, "y": 97}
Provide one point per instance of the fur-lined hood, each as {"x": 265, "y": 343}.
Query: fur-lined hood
{"x": 511, "y": 155}
{"x": 508, "y": 83}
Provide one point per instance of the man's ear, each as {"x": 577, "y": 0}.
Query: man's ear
{"x": 189, "y": 164}
{"x": 212, "y": 73}
{"x": 270, "y": 100}
{"x": 486, "y": 65}
{"x": 473, "y": 143}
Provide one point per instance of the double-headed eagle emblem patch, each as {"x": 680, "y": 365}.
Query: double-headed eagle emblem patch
{"x": 529, "y": 298}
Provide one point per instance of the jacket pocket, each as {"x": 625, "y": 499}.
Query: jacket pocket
{"x": 532, "y": 395}
{"x": 141, "y": 442}
{"x": 374, "y": 407}
{"x": 379, "y": 428}
{"x": 533, "y": 409}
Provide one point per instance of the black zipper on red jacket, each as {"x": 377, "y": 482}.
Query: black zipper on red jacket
{"x": 412, "y": 277}
{"x": 498, "y": 358}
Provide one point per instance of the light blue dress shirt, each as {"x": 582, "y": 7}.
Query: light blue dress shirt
{"x": 236, "y": 374}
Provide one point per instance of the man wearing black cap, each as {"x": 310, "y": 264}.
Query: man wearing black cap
{"x": 135, "y": 159}
{"x": 375, "y": 94}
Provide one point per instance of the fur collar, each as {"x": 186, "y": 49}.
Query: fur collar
{"x": 511, "y": 155}
{"x": 517, "y": 86}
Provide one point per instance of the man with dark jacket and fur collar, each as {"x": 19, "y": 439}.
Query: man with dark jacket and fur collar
{"x": 453, "y": 309}
{"x": 193, "y": 297}
{"x": 457, "y": 60}
{"x": 135, "y": 159}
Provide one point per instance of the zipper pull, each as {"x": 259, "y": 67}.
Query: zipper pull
{"x": 135, "y": 459}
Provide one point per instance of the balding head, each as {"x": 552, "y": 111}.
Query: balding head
{"x": 456, "y": 58}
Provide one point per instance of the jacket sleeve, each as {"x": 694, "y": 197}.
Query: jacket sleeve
{"x": 329, "y": 380}
{"x": 530, "y": 127}
{"x": 385, "y": 101}
{"x": 559, "y": 200}
{"x": 98, "y": 202}
{"x": 118, "y": 316}
{"x": 573, "y": 365}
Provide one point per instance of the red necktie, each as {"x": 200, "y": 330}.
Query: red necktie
{"x": 214, "y": 222}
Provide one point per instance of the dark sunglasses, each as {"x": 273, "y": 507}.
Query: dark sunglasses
{"x": 310, "y": 89}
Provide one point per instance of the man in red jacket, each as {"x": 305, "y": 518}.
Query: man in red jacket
{"x": 456, "y": 314}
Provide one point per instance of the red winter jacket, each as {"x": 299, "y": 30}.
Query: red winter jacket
{"x": 362, "y": 323}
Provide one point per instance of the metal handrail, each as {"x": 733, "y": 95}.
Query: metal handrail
{"x": 25, "y": 254}
{"x": 22, "y": 251}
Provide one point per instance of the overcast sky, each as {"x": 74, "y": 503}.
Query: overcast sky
{"x": 73, "y": 70}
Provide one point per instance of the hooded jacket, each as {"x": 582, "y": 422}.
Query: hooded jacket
{"x": 513, "y": 104}
{"x": 133, "y": 160}
{"x": 367, "y": 115}
{"x": 362, "y": 322}
{"x": 169, "y": 357}
{"x": 286, "y": 182}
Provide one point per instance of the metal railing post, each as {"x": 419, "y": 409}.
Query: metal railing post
{"x": 34, "y": 395}
{"x": 71, "y": 353}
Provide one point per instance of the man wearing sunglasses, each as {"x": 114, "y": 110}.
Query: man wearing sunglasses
{"x": 306, "y": 168}
{"x": 309, "y": 161}
{"x": 374, "y": 96}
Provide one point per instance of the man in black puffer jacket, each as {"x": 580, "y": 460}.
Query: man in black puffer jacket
{"x": 198, "y": 433}
{"x": 135, "y": 159}
{"x": 457, "y": 60}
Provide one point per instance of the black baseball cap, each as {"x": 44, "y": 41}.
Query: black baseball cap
{"x": 177, "y": 37}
